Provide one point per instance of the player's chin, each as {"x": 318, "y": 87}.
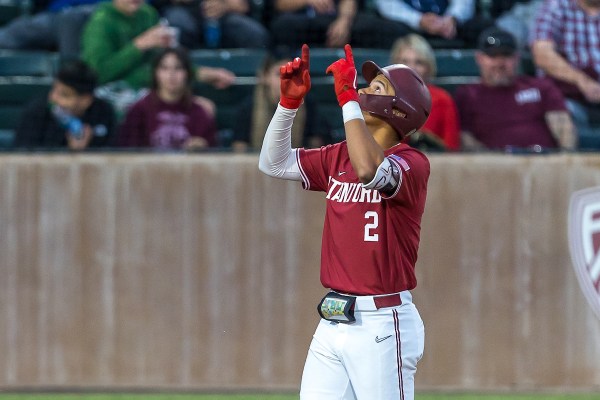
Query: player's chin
{"x": 368, "y": 116}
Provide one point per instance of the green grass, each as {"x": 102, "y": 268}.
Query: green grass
{"x": 457, "y": 396}
{"x": 144, "y": 397}
{"x": 508, "y": 397}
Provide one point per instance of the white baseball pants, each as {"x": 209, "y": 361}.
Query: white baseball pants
{"x": 374, "y": 358}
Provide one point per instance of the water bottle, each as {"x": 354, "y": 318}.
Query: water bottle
{"x": 212, "y": 33}
{"x": 75, "y": 127}
{"x": 72, "y": 124}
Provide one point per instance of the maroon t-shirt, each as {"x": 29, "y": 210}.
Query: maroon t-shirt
{"x": 370, "y": 241}
{"x": 512, "y": 115}
{"x": 151, "y": 122}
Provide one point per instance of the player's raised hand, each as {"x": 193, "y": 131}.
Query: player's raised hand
{"x": 295, "y": 80}
{"x": 344, "y": 77}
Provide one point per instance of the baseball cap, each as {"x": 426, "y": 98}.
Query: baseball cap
{"x": 495, "y": 41}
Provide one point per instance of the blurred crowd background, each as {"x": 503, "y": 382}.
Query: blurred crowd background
{"x": 515, "y": 76}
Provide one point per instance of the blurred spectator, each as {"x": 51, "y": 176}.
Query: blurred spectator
{"x": 57, "y": 28}
{"x": 565, "y": 46}
{"x": 330, "y": 23}
{"x": 518, "y": 18}
{"x": 119, "y": 42}
{"x": 443, "y": 20}
{"x": 70, "y": 116}
{"x": 255, "y": 113}
{"x": 441, "y": 130}
{"x": 170, "y": 117}
{"x": 214, "y": 23}
{"x": 507, "y": 110}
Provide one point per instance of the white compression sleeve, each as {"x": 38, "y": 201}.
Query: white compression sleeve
{"x": 277, "y": 158}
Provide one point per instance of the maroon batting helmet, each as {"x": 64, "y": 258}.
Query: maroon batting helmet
{"x": 409, "y": 108}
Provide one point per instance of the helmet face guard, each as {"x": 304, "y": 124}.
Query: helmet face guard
{"x": 405, "y": 111}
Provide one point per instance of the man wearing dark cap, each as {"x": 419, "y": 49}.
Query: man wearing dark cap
{"x": 507, "y": 110}
{"x": 70, "y": 115}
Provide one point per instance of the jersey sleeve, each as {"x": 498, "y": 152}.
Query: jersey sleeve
{"x": 413, "y": 167}
{"x": 314, "y": 168}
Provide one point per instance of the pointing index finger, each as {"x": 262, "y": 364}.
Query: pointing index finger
{"x": 349, "y": 56}
{"x": 305, "y": 56}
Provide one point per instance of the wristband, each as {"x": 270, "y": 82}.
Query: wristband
{"x": 351, "y": 110}
{"x": 290, "y": 104}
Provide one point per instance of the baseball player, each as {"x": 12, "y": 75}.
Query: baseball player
{"x": 371, "y": 336}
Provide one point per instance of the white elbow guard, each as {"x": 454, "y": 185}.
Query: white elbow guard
{"x": 387, "y": 177}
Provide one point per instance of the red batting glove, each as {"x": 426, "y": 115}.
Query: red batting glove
{"x": 344, "y": 77}
{"x": 295, "y": 80}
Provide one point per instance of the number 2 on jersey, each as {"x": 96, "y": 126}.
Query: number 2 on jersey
{"x": 373, "y": 218}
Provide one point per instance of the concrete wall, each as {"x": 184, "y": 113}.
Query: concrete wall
{"x": 197, "y": 271}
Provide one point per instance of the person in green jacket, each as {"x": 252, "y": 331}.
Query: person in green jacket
{"x": 121, "y": 38}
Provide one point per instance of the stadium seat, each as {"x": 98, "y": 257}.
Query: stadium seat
{"x": 11, "y": 9}
{"x": 459, "y": 62}
{"x": 257, "y": 9}
{"x": 19, "y": 90}
{"x": 450, "y": 83}
{"x": 455, "y": 62}
{"x": 321, "y": 58}
{"x": 6, "y": 138}
{"x": 323, "y": 93}
{"x": 227, "y": 102}
{"x": 588, "y": 143}
{"x": 15, "y": 93}
{"x": 242, "y": 62}
{"x": 9, "y": 115}
{"x": 28, "y": 63}
{"x": 439, "y": 43}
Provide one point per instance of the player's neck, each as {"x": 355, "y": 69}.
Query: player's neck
{"x": 384, "y": 138}
{"x": 382, "y": 132}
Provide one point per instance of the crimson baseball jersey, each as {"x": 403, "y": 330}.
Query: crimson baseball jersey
{"x": 370, "y": 240}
